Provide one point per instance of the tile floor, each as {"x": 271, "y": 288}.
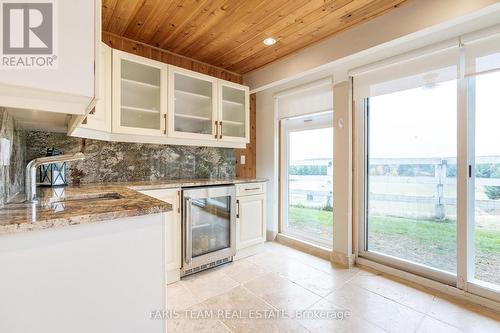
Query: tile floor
{"x": 280, "y": 283}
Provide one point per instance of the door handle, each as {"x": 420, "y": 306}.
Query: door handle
{"x": 216, "y": 129}
{"x": 165, "y": 123}
{"x": 220, "y": 133}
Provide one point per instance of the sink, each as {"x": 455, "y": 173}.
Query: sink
{"x": 86, "y": 198}
{"x": 58, "y": 203}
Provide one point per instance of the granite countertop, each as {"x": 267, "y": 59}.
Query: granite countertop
{"x": 90, "y": 203}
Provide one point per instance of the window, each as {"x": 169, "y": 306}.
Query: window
{"x": 307, "y": 158}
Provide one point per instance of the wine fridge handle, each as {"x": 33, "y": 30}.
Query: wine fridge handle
{"x": 189, "y": 240}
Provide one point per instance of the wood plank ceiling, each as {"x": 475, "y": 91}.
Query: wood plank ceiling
{"x": 229, "y": 33}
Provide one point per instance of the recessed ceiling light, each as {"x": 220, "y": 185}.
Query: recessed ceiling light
{"x": 270, "y": 41}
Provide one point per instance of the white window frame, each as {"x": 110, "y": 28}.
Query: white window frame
{"x": 468, "y": 282}
{"x": 297, "y": 124}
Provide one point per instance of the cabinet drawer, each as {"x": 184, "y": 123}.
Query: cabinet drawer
{"x": 249, "y": 189}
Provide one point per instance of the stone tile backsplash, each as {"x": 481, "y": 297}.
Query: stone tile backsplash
{"x": 12, "y": 168}
{"x": 117, "y": 161}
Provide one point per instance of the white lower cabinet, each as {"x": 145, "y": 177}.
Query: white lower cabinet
{"x": 96, "y": 277}
{"x": 251, "y": 212}
{"x": 172, "y": 225}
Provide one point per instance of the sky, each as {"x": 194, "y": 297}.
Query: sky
{"x": 311, "y": 144}
{"x": 423, "y": 122}
{"x": 416, "y": 123}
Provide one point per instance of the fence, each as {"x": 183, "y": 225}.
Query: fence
{"x": 430, "y": 196}
{"x": 311, "y": 191}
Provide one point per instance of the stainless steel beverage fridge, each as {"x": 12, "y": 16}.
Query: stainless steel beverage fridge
{"x": 208, "y": 228}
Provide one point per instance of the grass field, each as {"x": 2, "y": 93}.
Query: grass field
{"x": 427, "y": 242}
{"x": 311, "y": 221}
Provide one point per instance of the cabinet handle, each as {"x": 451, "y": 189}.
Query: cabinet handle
{"x": 220, "y": 134}
{"x": 252, "y": 189}
{"x": 237, "y": 209}
{"x": 178, "y": 202}
{"x": 165, "y": 123}
{"x": 216, "y": 129}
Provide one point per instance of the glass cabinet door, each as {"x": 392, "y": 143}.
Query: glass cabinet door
{"x": 192, "y": 105}
{"x": 138, "y": 103}
{"x": 234, "y": 117}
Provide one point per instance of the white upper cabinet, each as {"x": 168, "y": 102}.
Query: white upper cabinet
{"x": 99, "y": 118}
{"x": 67, "y": 86}
{"x": 139, "y": 95}
{"x": 192, "y": 111}
{"x": 234, "y": 112}
{"x": 148, "y": 101}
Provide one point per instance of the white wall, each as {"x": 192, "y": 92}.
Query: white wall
{"x": 342, "y": 173}
{"x": 267, "y": 157}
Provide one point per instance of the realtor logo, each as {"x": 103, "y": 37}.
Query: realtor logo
{"x": 28, "y": 34}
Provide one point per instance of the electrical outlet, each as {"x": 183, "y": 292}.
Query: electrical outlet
{"x": 4, "y": 151}
{"x": 242, "y": 159}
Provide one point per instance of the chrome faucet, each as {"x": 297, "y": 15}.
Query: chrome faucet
{"x": 30, "y": 180}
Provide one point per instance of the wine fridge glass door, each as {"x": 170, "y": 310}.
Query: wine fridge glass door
{"x": 210, "y": 224}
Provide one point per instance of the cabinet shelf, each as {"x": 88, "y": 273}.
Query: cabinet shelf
{"x": 133, "y": 108}
{"x": 191, "y": 94}
{"x": 188, "y": 116}
{"x": 141, "y": 84}
{"x": 231, "y": 122}
{"x": 232, "y": 103}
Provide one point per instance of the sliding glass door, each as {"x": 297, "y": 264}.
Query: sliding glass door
{"x": 429, "y": 163}
{"x": 307, "y": 189}
{"x": 411, "y": 181}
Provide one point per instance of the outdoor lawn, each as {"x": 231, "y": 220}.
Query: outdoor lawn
{"x": 427, "y": 242}
{"x": 311, "y": 221}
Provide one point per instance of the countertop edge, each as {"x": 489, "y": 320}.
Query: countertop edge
{"x": 153, "y": 206}
{"x": 55, "y": 223}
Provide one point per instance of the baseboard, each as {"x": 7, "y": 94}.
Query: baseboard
{"x": 173, "y": 276}
{"x": 271, "y": 235}
{"x": 248, "y": 251}
{"x": 343, "y": 259}
{"x": 440, "y": 287}
{"x": 304, "y": 246}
